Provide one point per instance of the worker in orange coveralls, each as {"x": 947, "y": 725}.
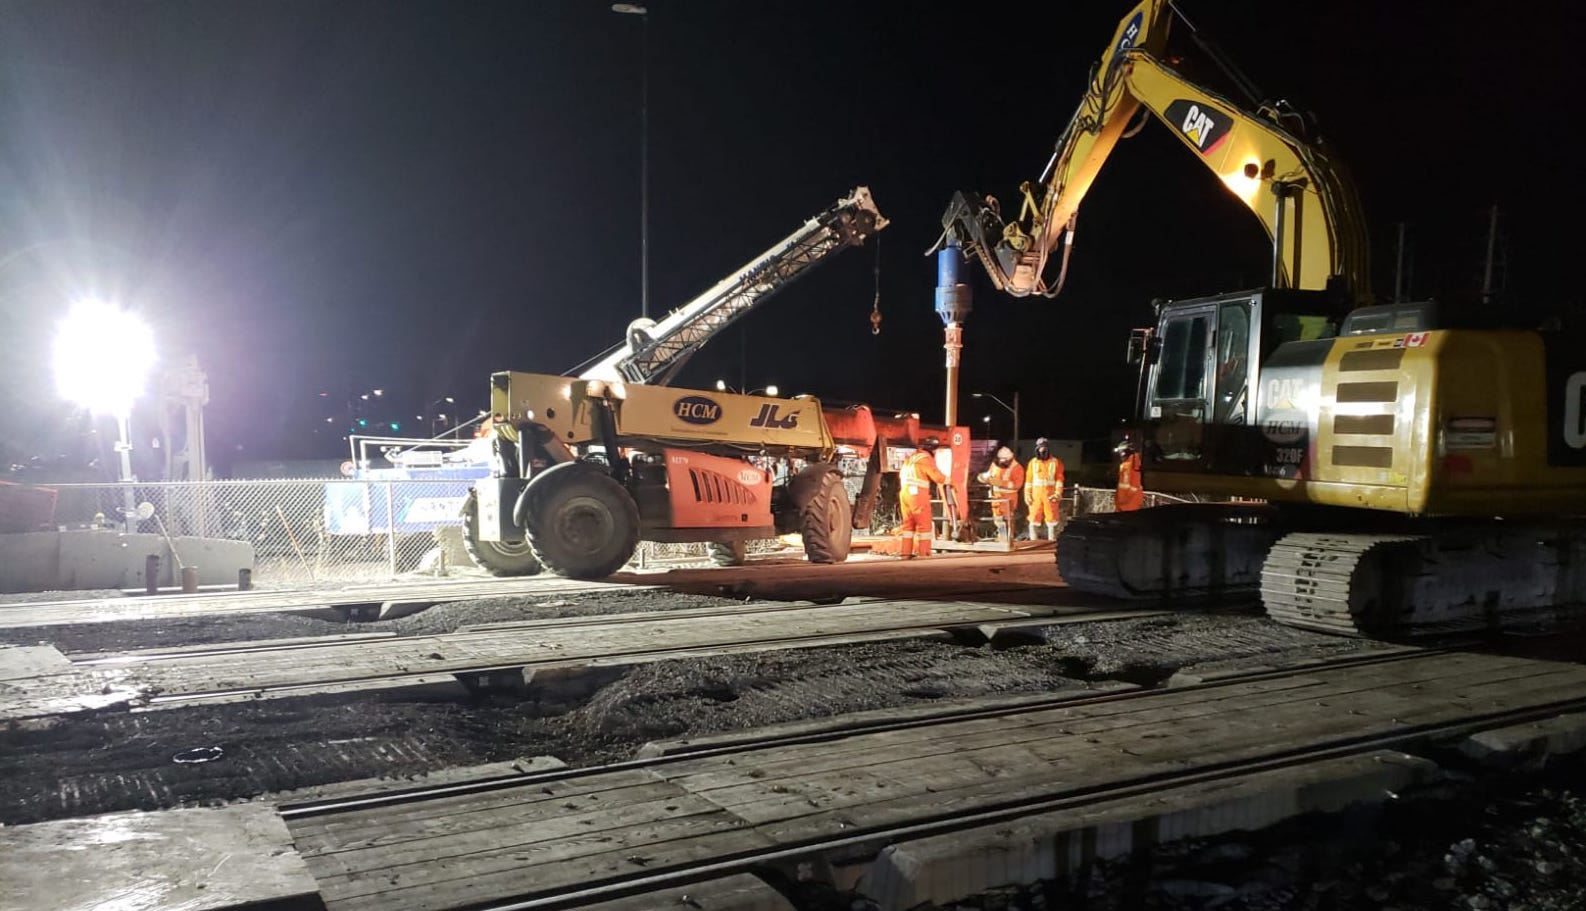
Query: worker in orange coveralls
{"x": 1005, "y": 477}
{"x": 1043, "y": 489}
{"x": 1130, "y": 496}
{"x": 919, "y": 471}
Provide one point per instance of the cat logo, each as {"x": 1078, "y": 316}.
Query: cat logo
{"x": 1285, "y": 393}
{"x": 1205, "y": 127}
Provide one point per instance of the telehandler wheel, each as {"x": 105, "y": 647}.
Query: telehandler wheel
{"x": 580, "y": 522}
{"x": 732, "y": 553}
{"x": 825, "y": 517}
{"x": 495, "y": 557}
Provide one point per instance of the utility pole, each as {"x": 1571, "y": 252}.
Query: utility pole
{"x": 1492, "y": 248}
{"x": 643, "y": 12}
{"x": 1398, "y": 270}
{"x": 1015, "y": 425}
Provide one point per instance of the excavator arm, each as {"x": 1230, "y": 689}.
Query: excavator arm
{"x": 1303, "y": 198}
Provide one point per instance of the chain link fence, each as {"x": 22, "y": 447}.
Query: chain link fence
{"x": 1087, "y": 500}
{"x": 317, "y": 531}
{"x": 324, "y": 531}
{"x": 336, "y": 531}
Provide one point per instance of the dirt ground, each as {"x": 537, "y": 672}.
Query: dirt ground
{"x": 1527, "y": 835}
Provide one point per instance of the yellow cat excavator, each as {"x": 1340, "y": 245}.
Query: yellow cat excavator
{"x": 1415, "y": 471}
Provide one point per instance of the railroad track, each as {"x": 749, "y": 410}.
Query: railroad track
{"x": 218, "y": 649}
{"x": 494, "y": 656}
{"x": 293, "y": 810}
{"x": 1103, "y": 746}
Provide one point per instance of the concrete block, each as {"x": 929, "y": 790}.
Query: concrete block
{"x": 21, "y": 662}
{"x": 449, "y": 538}
{"x": 944, "y": 868}
{"x": 739, "y": 892}
{"x": 196, "y": 860}
{"x": 98, "y": 559}
{"x": 1531, "y": 744}
{"x": 30, "y": 562}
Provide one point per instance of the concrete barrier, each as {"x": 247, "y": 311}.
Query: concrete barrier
{"x": 1531, "y": 745}
{"x": 944, "y": 868}
{"x": 98, "y": 559}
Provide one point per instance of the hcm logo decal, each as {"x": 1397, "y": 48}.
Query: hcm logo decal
{"x": 1204, "y": 126}
{"x": 696, "y": 409}
{"x": 1131, "y": 33}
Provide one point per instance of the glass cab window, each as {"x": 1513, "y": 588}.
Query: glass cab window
{"x": 1233, "y": 363}
{"x": 1181, "y": 370}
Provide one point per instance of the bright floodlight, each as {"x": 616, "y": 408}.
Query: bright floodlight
{"x": 103, "y": 357}
{"x": 771, "y": 389}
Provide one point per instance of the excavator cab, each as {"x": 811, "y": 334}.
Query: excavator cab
{"x": 1202, "y": 376}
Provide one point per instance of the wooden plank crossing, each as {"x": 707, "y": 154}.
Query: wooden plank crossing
{"x": 622, "y": 825}
{"x": 28, "y": 614}
{"x": 337, "y": 662}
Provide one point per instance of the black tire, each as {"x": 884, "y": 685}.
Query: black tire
{"x": 825, "y": 517}
{"x": 495, "y": 557}
{"x": 580, "y": 522}
{"x": 732, "y": 553}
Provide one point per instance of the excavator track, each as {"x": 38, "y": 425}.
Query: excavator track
{"x": 1453, "y": 579}
{"x": 1189, "y": 551}
{"x": 1331, "y": 583}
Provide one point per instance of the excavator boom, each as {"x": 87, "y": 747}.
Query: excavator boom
{"x": 654, "y": 351}
{"x": 1300, "y": 194}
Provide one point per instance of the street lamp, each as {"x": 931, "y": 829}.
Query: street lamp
{"x": 643, "y": 12}
{"x": 1012, "y": 409}
{"x": 441, "y": 417}
{"x": 771, "y": 390}
{"x": 103, "y": 356}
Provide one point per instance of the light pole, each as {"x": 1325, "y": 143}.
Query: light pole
{"x": 103, "y": 357}
{"x": 643, "y": 12}
{"x": 1012, "y": 409}
{"x": 441, "y": 417}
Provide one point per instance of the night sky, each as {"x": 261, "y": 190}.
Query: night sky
{"x": 338, "y": 196}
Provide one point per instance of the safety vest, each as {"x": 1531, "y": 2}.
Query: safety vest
{"x": 1044, "y": 477}
{"x": 1001, "y": 479}
{"x": 1129, "y": 472}
{"x": 1130, "y": 496}
{"x": 917, "y": 473}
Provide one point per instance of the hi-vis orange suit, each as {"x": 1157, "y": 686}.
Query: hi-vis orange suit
{"x": 1043, "y": 489}
{"x": 1131, "y": 495}
{"x": 1004, "y": 484}
{"x": 914, "y": 496}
